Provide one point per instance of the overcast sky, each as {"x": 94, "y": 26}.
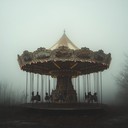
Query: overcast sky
{"x": 30, "y": 24}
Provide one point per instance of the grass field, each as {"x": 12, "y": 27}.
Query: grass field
{"x": 19, "y": 117}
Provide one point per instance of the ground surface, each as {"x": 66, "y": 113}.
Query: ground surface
{"x": 18, "y": 117}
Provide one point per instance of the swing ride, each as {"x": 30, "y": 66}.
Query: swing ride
{"x": 65, "y": 74}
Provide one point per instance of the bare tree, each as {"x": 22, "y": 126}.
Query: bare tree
{"x": 9, "y": 96}
{"x": 122, "y": 81}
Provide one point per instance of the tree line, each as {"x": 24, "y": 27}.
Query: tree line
{"x": 9, "y": 96}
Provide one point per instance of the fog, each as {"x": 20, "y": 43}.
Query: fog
{"x": 30, "y": 24}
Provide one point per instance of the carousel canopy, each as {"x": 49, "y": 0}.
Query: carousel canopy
{"x": 64, "y": 58}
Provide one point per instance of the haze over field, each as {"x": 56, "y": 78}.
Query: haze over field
{"x": 30, "y": 24}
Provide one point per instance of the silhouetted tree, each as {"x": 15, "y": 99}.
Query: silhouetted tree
{"x": 122, "y": 81}
{"x": 9, "y": 96}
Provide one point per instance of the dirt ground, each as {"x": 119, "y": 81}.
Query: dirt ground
{"x": 18, "y": 117}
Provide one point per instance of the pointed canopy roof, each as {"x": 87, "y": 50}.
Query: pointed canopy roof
{"x": 64, "y": 41}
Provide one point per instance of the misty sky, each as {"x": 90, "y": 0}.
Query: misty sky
{"x": 30, "y": 24}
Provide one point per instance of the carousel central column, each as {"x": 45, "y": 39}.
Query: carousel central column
{"x": 64, "y": 89}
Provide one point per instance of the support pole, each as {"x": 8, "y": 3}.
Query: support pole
{"x": 49, "y": 84}
{"x": 95, "y": 83}
{"x": 45, "y": 86}
{"x": 75, "y": 83}
{"x": 32, "y": 82}
{"x": 84, "y": 87}
{"x": 38, "y": 83}
{"x": 26, "y": 86}
{"x": 30, "y": 85}
{"x": 79, "y": 88}
{"x": 42, "y": 82}
{"x": 101, "y": 85}
{"x": 87, "y": 83}
{"x": 54, "y": 84}
{"x": 90, "y": 90}
{"x": 98, "y": 91}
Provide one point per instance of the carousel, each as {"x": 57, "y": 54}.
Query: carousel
{"x": 64, "y": 76}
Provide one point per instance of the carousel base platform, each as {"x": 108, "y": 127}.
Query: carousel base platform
{"x": 65, "y": 108}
